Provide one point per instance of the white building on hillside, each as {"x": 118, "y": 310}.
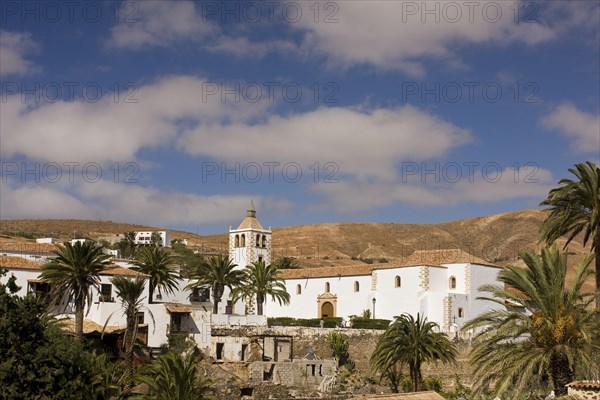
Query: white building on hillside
{"x": 162, "y": 238}
{"x": 442, "y": 285}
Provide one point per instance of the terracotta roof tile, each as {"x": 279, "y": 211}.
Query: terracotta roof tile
{"x": 444, "y": 256}
{"x": 19, "y": 263}
{"x": 31, "y": 247}
{"x": 433, "y": 258}
{"x": 120, "y": 271}
{"x": 250, "y": 222}
{"x": 178, "y": 308}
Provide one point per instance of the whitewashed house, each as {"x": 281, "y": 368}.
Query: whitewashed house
{"x": 163, "y": 238}
{"x": 46, "y": 240}
{"x": 179, "y": 313}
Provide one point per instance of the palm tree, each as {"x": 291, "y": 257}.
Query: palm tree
{"x": 128, "y": 245}
{"x": 156, "y": 262}
{"x": 411, "y": 342}
{"x": 74, "y": 271}
{"x": 130, "y": 292}
{"x": 218, "y": 272}
{"x": 575, "y": 208}
{"x": 174, "y": 377}
{"x": 547, "y": 329}
{"x": 259, "y": 281}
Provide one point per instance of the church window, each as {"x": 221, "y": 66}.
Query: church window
{"x": 452, "y": 282}
{"x": 298, "y": 289}
{"x": 356, "y": 286}
{"x": 237, "y": 240}
{"x": 398, "y": 281}
{"x": 257, "y": 240}
{"x": 243, "y": 240}
{"x": 461, "y": 313}
{"x": 327, "y": 287}
{"x": 264, "y": 241}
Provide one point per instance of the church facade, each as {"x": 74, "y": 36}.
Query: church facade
{"x": 441, "y": 285}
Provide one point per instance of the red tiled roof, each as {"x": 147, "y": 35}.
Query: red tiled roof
{"x": 432, "y": 258}
{"x": 18, "y": 263}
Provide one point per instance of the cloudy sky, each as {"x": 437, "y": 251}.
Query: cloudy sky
{"x": 177, "y": 113}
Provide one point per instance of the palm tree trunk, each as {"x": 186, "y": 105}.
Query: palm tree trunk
{"x": 129, "y": 340}
{"x": 259, "y": 304}
{"x": 416, "y": 377}
{"x": 151, "y": 292}
{"x": 78, "y": 320}
{"x": 216, "y": 299}
{"x": 561, "y": 372}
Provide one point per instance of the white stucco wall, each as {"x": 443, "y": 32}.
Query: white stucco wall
{"x": 196, "y": 324}
{"x": 480, "y": 275}
{"x": 393, "y": 301}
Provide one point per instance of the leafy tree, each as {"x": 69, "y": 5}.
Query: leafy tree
{"x": 74, "y": 271}
{"x": 575, "y": 209}
{"x": 259, "y": 281}
{"x": 551, "y": 334}
{"x": 287, "y": 263}
{"x": 218, "y": 272}
{"x": 339, "y": 346}
{"x": 185, "y": 257}
{"x": 37, "y": 361}
{"x": 411, "y": 342}
{"x": 130, "y": 292}
{"x": 157, "y": 263}
{"x": 175, "y": 377}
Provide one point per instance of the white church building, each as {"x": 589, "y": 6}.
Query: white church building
{"x": 440, "y": 284}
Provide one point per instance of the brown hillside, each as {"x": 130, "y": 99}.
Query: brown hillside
{"x": 496, "y": 238}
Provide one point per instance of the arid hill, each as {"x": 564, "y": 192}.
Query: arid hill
{"x": 496, "y": 238}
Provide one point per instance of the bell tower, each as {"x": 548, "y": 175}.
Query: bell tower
{"x": 250, "y": 242}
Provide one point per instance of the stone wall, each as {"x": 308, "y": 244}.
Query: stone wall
{"x": 299, "y": 373}
{"x": 362, "y": 344}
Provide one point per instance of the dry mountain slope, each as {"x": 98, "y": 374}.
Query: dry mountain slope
{"x": 496, "y": 238}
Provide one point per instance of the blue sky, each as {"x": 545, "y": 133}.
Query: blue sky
{"x": 176, "y": 114}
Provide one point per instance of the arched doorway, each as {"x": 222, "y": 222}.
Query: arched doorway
{"x": 327, "y": 310}
{"x": 327, "y": 305}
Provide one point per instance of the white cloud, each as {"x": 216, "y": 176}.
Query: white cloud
{"x": 362, "y": 143}
{"x": 158, "y": 23}
{"x": 582, "y": 128}
{"x": 475, "y": 186}
{"x": 114, "y": 131}
{"x": 401, "y": 34}
{"x": 14, "y": 49}
{"x": 242, "y": 47}
{"x": 127, "y": 202}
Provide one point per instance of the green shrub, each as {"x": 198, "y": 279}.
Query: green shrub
{"x": 329, "y": 322}
{"x": 339, "y": 345}
{"x": 432, "y": 383}
{"x": 368, "y": 323}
